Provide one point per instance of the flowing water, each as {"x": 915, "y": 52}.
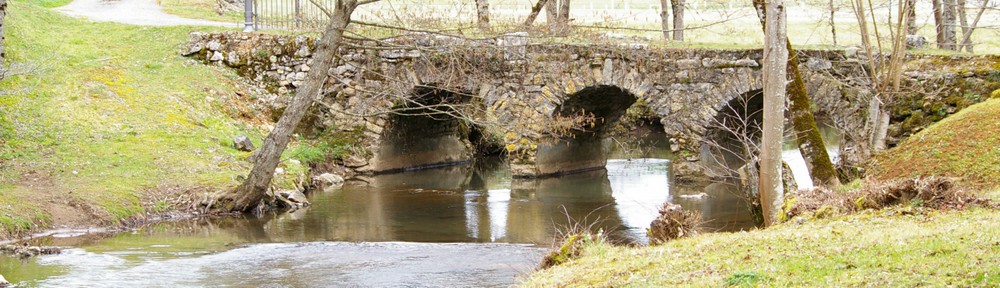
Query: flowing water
{"x": 462, "y": 226}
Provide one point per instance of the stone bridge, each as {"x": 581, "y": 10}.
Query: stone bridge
{"x": 425, "y": 101}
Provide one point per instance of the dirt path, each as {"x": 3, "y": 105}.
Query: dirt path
{"x": 136, "y": 12}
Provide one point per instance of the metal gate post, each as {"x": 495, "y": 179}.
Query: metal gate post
{"x": 248, "y": 16}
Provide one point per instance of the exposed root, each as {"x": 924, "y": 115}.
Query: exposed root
{"x": 931, "y": 192}
{"x": 674, "y": 222}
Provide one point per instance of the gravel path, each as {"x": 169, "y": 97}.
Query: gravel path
{"x": 136, "y": 12}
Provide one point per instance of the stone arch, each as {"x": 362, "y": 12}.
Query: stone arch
{"x": 423, "y": 131}
{"x": 585, "y": 147}
{"x": 724, "y": 148}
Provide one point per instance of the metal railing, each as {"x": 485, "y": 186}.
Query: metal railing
{"x": 295, "y": 15}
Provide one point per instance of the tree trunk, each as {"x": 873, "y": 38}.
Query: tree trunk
{"x": 483, "y": 13}
{"x": 833, "y": 26}
{"x": 564, "y": 14}
{"x": 774, "y": 70}
{"x": 3, "y": 14}
{"x": 967, "y": 35}
{"x": 963, "y": 21}
{"x": 534, "y": 12}
{"x": 948, "y": 17}
{"x": 552, "y": 14}
{"x": 665, "y": 19}
{"x": 938, "y": 23}
{"x": 252, "y": 192}
{"x": 811, "y": 145}
{"x": 677, "y": 8}
{"x": 911, "y": 17}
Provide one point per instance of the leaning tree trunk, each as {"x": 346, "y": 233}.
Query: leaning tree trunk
{"x": 534, "y": 12}
{"x": 811, "y": 145}
{"x": 775, "y": 58}
{"x": 967, "y": 35}
{"x": 483, "y": 13}
{"x": 665, "y": 19}
{"x": 677, "y": 8}
{"x": 253, "y": 191}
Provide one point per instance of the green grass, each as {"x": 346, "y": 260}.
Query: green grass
{"x": 963, "y": 145}
{"x": 200, "y": 9}
{"x": 876, "y": 248}
{"x": 112, "y": 113}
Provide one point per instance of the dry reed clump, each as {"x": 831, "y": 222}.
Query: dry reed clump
{"x": 672, "y": 223}
{"x": 929, "y": 192}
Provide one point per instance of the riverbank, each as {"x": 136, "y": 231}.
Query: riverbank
{"x": 109, "y": 125}
{"x": 903, "y": 245}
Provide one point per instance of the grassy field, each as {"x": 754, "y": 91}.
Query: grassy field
{"x": 109, "y": 122}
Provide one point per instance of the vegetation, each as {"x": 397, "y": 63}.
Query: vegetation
{"x": 962, "y": 145}
{"x": 113, "y": 118}
{"x": 875, "y": 248}
{"x": 920, "y": 241}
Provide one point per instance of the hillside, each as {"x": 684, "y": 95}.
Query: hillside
{"x": 110, "y": 124}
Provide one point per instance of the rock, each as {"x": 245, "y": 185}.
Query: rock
{"x": 815, "y": 64}
{"x": 688, "y": 172}
{"x": 216, "y": 56}
{"x": 4, "y": 283}
{"x": 233, "y": 59}
{"x": 329, "y": 180}
{"x": 197, "y": 47}
{"x": 294, "y": 196}
{"x": 915, "y": 41}
{"x": 851, "y": 52}
{"x": 214, "y": 45}
{"x": 242, "y": 143}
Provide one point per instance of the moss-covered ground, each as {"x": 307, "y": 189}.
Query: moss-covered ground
{"x": 109, "y": 121}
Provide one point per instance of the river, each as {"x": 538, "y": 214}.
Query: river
{"x": 461, "y": 226}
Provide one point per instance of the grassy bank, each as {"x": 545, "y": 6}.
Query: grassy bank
{"x": 110, "y": 123}
{"x": 903, "y": 245}
{"x": 962, "y": 145}
{"x": 879, "y": 248}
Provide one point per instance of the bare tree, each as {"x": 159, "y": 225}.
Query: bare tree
{"x": 911, "y": 17}
{"x": 949, "y": 17}
{"x": 833, "y": 25}
{"x": 967, "y": 30}
{"x": 563, "y": 13}
{"x": 665, "y": 19}
{"x": 677, "y": 9}
{"x": 774, "y": 70}
{"x": 250, "y": 195}
{"x": 811, "y": 145}
{"x": 938, "y": 23}
{"x": 534, "y": 12}
{"x": 483, "y": 13}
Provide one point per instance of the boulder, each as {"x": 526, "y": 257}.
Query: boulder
{"x": 329, "y": 180}
{"x": 242, "y": 143}
{"x": 296, "y": 197}
{"x": 915, "y": 41}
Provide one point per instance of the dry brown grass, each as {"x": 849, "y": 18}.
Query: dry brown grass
{"x": 672, "y": 223}
{"x": 930, "y": 192}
